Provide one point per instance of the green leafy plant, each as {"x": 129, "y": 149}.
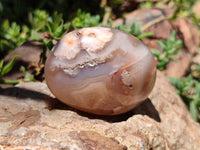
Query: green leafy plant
{"x": 146, "y": 4}
{"x": 38, "y": 20}
{"x": 85, "y": 20}
{"x": 56, "y": 26}
{"x": 28, "y": 77}
{"x": 169, "y": 48}
{"x": 197, "y": 68}
{"x": 135, "y": 29}
{"x": 189, "y": 89}
{"x": 6, "y": 69}
{"x": 52, "y": 26}
{"x": 11, "y": 36}
{"x": 181, "y": 7}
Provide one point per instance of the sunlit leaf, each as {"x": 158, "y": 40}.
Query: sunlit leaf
{"x": 8, "y": 67}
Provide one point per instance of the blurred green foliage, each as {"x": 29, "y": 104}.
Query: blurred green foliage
{"x": 169, "y": 48}
{"x": 17, "y": 10}
{"x": 146, "y": 4}
{"x": 47, "y": 29}
{"x": 19, "y": 18}
{"x": 11, "y": 36}
{"x": 38, "y": 19}
{"x": 53, "y": 25}
{"x": 197, "y": 68}
{"x": 135, "y": 30}
{"x": 189, "y": 89}
{"x": 182, "y": 8}
{"x": 5, "y": 69}
{"x": 28, "y": 77}
{"x": 85, "y": 20}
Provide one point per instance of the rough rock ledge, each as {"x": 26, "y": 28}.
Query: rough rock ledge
{"x": 31, "y": 118}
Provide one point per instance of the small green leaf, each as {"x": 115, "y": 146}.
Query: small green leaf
{"x": 193, "y": 110}
{"x": 7, "y": 68}
{"x": 174, "y": 80}
{"x": 110, "y": 22}
{"x": 1, "y": 65}
{"x": 38, "y": 19}
{"x": 66, "y": 26}
{"x": 35, "y": 36}
{"x": 8, "y": 81}
{"x": 155, "y": 52}
{"x": 172, "y": 58}
{"x": 58, "y": 31}
{"x": 145, "y": 35}
{"x": 189, "y": 89}
{"x": 49, "y": 29}
{"x": 85, "y": 20}
{"x": 162, "y": 45}
{"x": 172, "y": 37}
{"x": 28, "y": 77}
{"x": 169, "y": 48}
{"x": 137, "y": 30}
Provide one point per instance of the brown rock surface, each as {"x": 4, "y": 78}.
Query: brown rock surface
{"x": 30, "y": 118}
{"x": 29, "y": 53}
{"x": 162, "y": 30}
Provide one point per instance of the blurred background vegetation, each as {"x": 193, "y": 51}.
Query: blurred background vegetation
{"x": 46, "y": 21}
{"x": 19, "y": 18}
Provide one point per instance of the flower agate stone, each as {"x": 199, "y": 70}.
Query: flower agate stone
{"x": 100, "y": 70}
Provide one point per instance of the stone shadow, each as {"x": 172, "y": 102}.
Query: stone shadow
{"x": 23, "y": 93}
{"x": 146, "y": 108}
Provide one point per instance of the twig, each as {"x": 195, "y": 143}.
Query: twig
{"x": 106, "y": 17}
{"x": 107, "y": 10}
{"x": 153, "y": 22}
